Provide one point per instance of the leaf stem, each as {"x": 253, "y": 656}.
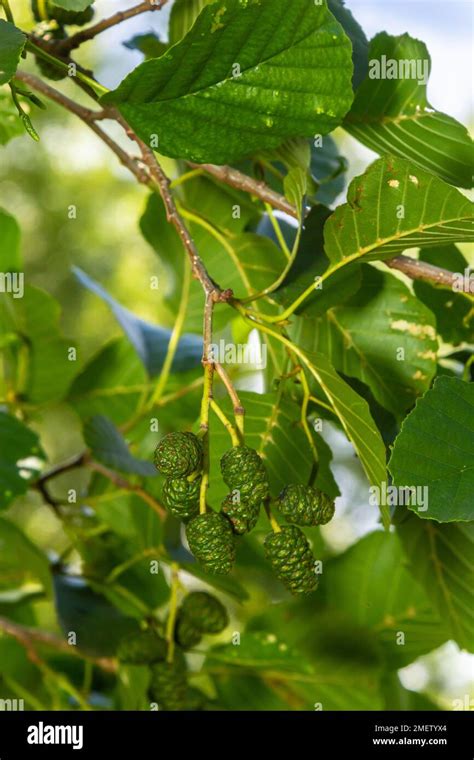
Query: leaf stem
{"x": 173, "y": 609}
{"x": 226, "y": 422}
{"x": 64, "y": 66}
{"x": 239, "y": 411}
{"x": 273, "y": 522}
{"x": 278, "y": 232}
{"x": 174, "y": 338}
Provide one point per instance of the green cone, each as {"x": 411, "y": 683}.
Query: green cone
{"x": 181, "y": 497}
{"x": 185, "y": 633}
{"x": 211, "y": 541}
{"x": 243, "y": 470}
{"x": 142, "y": 648}
{"x": 178, "y": 455}
{"x": 205, "y": 612}
{"x": 291, "y": 557}
{"x": 168, "y": 685}
{"x": 242, "y": 515}
{"x": 302, "y": 505}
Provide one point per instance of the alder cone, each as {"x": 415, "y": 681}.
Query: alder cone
{"x": 185, "y": 633}
{"x": 243, "y": 470}
{"x": 211, "y": 541}
{"x": 168, "y": 685}
{"x": 242, "y": 515}
{"x": 142, "y": 648}
{"x": 181, "y": 497}
{"x": 291, "y": 557}
{"x": 205, "y": 612}
{"x": 303, "y": 505}
{"x": 178, "y": 455}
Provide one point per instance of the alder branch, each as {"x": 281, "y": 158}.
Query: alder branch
{"x": 125, "y": 485}
{"x": 32, "y": 637}
{"x": 71, "y": 43}
{"x": 416, "y": 270}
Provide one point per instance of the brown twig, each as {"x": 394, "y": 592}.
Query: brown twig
{"x": 125, "y": 485}
{"x": 421, "y": 270}
{"x": 73, "y": 42}
{"x": 29, "y": 637}
{"x": 239, "y": 411}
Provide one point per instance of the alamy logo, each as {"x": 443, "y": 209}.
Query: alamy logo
{"x": 12, "y": 282}
{"x": 45, "y": 734}
{"x": 463, "y": 282}
{"x": 409, "y": 496}
{"x": 12, "y": 705}
{"x": 392, "y": 68}
{"x": 252, "y": 354}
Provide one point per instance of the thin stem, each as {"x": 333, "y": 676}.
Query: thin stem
{"x": 8, "y": 12}
{"x": 317, "y": 401}
{"x": 275, "y": 527}
{"x": 186, "y": 177}
{"x": 226, "y": 422}
{"x": 125, "y": 485}
{"x": 64, "y": 66}
{"x": 239, "y": 411}
{"x": 173, "y": 609}
{"x": 174, "y": 338}
{"x": 204, "y": 431}
{"x": 31, "y": 637}
{"x": 277, "y": 229}
{"x": 107, "y": 23}
{"x": 304, "y": 414}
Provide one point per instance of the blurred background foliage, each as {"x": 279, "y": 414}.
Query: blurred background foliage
{"x": 70, "y": 167}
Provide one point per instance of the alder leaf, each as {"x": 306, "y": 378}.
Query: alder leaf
{"x": 247, "y": 76}
{"x": 392, "y": 207}
{"x": 12, "y": 42}
{"x": 394, "y": 116}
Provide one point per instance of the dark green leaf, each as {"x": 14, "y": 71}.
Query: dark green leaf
{"x": 365, "y": 338}
{"x": 295, "y": 81}
{"x": 12, "y": 42}
{"x": 109, "y": 447}
{"x": 440, "y": 558}
{"x": 392, "y": 115}
{"x": 435, "y": 451}
{"x": 360, "y": 45}
{"x": 149, "y": 44}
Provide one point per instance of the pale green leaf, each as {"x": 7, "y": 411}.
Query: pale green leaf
{"x": 10, "y": 124}
{"x": 183, "y": 15}
{"x": 20, "y": 560}
{"x": 17, "y": 442}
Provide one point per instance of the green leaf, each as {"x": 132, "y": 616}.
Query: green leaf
{"x": 324, "y": 478}
{"x": 20, "y": 560}
{"x": 392, "y": 115}
{"x": 453, "y": 311}
{"x": 435, "y": 450}
{"x": 225, "y": 584}
{"x": 360, "y": 45}
{"x": 149, "y": 44}
{"x": 273, "y": 428}
{"x": 295, "y": 81}
{"x": 73, "y": 5}
{"x": 10, "y": 243}
{"x": 328, "y": 169}
{"x": 150, "y": 341}
{"x": 440, "y": 558}
{"x": 392, "y": 207}
{"x": 258, "y": 650}
{"x": 357, "y": 583}
{"x": 310, "y": 263}
{"x": 35, "y": 318}
{"x": 12, "y": 42}
{"x": 354, "y": 415}
{"x": 17, "y": 442}
{"x": 183, "y": 15}
{"x": 10, "y": 124}
{"x": 109, "y": 447}
{"x": 364, "y": 338}
{"x": 112, "y": 383}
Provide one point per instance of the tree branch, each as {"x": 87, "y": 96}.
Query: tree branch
{"x": 71, "y": 43}
{"x": 416, "y": 270}
{"x": 29, "y": 637}
{"x": 125, "y": 485}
